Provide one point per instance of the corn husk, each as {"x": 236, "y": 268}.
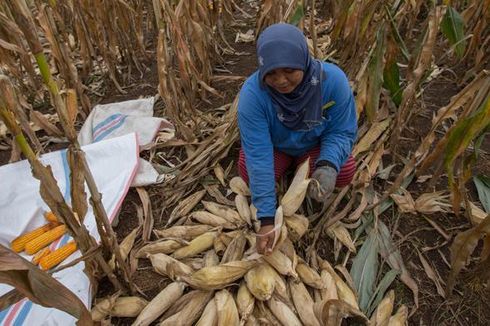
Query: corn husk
{"x": 294, "y": 196}
{"x": 160, "y": 247}
{"x": 255, "y": 221}
{"x": 186, "y": 206}
{"x": 219, "y": 245}
{"x": 118, "y": 307}
{"x": 303, "y": 303}
{"x": 196, "y": 246}
{"x": 226, "y": 308}
{"x": 260, "y": 281}
{"x": 332, "y": 312}
{"x": 217, "y": 277}
{"x": 400, "y": 318}
{"x": 280, "y": 232}
{"x": 225, "y": 212}
{"x": 252, "y": 321}
{"x": 309, "y": 276}
{"x": 209, "y": 316}
{"x": 243, "y": 208}
{"x": 341, "y": 233}
{"x": 189, "y": 314}
{"x": 211, "y": 258}
{"x": 245, "y": 301}
{"x": 297, "y": 226}
{"x": 239, "y": 186}
{"x": 220, "y": 174}
{"x": 281, "y": 288}
{"x": 195, "y": 263}
{"x": 264, "y": 315}
{"x": 287, "y": 248}
{"x": 281, "y": 263}
{"x": 204, "y": 217}
{"x": 344, "y": 292}
{"x": 330, "y": 290}
{"x": 125, "y": 247}
{"x": 169, "y": 266}
{"x": 382, "y": 314}
{"x": 283, "y": 313}
{"x": 160, "y": 304}
{"x": 235, "y": 249}
{"x": 184, "y": 232}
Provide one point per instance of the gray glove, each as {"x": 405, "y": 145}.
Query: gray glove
{"x": 326, "y": 177}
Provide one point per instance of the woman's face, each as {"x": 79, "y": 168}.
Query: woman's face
{"x": 284, "y": 80}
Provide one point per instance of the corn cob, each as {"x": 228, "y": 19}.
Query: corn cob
{"x": 44, "y": 239}
{"x": 40, "y": 254}
{"x": 50, "y": 217}
{"x": 57, "y": 256}
{"x": 19, "y": 243}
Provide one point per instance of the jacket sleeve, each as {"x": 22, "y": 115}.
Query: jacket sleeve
{"x": 341, "y": 131}
{"x": 259, "y": 154}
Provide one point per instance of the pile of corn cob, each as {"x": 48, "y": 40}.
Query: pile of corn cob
{"x": 37, "y": 241}
{"x": 211, "y": 254}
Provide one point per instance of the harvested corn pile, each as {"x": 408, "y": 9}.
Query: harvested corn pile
{"x": 218, "y": 278}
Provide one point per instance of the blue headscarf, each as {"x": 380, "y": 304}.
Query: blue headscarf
{"x": 284, "y": 46}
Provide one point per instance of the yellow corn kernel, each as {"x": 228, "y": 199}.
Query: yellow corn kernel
{"x": 40, "y": 254}
{"x": 19, "y": 243}
{"x": 57, "y": 256}
{"x": 50, "y": 217}
{"x": 44, "y": 239}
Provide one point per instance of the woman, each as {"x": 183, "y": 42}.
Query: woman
{"x": 293, "y": 107}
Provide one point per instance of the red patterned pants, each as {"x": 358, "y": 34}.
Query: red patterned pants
{"x": 283, "y": 161}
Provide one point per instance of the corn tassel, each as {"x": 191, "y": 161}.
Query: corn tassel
{"x": 53, "y": 259}
{"x": 19, "y": 243}
{"x": 44, "y": 239}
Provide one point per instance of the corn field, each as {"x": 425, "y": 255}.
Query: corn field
{"x": 407, "y": 242}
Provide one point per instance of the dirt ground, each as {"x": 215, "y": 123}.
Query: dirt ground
{"x": 468, "y": 306}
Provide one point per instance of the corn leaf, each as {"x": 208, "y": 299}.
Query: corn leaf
{"x": 379, "y": 294}
{"x": 365, "y": 269}
{"x": 393, "y": 257}
{"x": 298, "y": 15}
{"x": 39, "y": 287}
{"x": 463, "y": 246}
{"x": 452, "y": 27}
{"x": 482, "y": 184}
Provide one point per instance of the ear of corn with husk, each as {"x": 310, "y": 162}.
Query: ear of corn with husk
{"x": 190, "y": 313}
{"x": 309, "y": 276}
{"x": 186, "y": 206}
{"x": 209, "y": 316}
{"x": 211, "y": 258}
{"x": 216, "y": 277}
{"x": 297, "y": 226}
{"x": 303, "y": 303}
{"x": 238, "y": 186}
{"x": 160, "y": 247}
{"x": 212, "y": 220}
{"x": 159, "y": 304}
{"x": 382, "y": 314}
{"x": 400, "y": 318}
{"x": 118, "y": 307}
{"x": 235, "y": 249}
{"x": 196, "y": 246}
{"x": 226, "y": 308}
{"x": 243, "y": 208}
{"x": 281, "y": 263}
{"x": 169, "y": 266}
{"x": 245, "y": 301}
{"x": 184, "y": 232}
{"x": 225, "y": 212}
{"x": 293, "y": 198}
{"x": 283, "y": 313}
{"x": 261, "y": 281}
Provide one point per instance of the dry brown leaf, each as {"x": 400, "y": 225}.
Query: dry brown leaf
{"x": 404, "y": 201}
{"x": 433, "y": 275}
{"x": 147, "y": 213}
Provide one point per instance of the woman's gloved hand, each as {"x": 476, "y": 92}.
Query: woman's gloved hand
{"x": 326, "y": 177}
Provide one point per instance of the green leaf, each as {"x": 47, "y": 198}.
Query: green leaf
{"x": 452, "y": 27}
{"x": 482, "y": 184}
{"x": 379, "y": 294}
{"x": 391, "y": 76}
{"x": 298, "y": 15}
{"x": 365, "y": 269}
